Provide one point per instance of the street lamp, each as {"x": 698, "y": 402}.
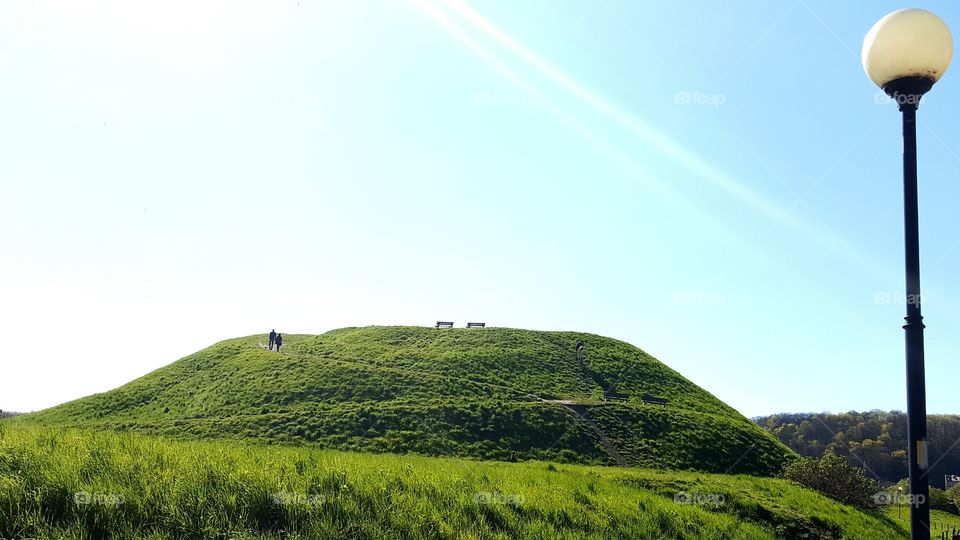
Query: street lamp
{"x": 905, "y": 53}
{"x": 899, "y": 500}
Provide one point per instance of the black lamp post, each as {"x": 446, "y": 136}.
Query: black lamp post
{"x": 905, "y": 53}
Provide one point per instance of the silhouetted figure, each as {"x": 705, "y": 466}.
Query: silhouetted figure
{"x": 580, "y": 347}
{"x": 279, "y": 342}
{"x": 273, "y": 338}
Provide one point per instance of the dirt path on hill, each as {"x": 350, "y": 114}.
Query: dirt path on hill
{"x": 581, "y": 412}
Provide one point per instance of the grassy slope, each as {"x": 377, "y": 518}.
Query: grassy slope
{"x": 196, "y": 489}
{"x": 939, "y": 520}
{"x": 471, "y": 393}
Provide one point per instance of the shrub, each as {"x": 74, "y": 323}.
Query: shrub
{"x": 938, "y": 497}
{"x": 832, "y": 476}
{"x": 953, "y": 494}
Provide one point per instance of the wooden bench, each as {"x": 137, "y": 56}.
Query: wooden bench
{"x": 647, "y": 398}
{"x": 476, "y": 325}
{"x": 444, "y": 324}
{"x": 615, "y": 396}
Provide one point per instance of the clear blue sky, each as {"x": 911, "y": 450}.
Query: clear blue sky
{"x": 716, "y": 182}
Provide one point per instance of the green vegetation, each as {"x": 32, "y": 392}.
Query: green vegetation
{"x": 835, "y": 478}
{"x": 948, "y": 501}
{"x": 69, "y": 483}
{"x": 939, "y": 520}
{"x": 482, "y": 394}
{"x": 876, "y": 440}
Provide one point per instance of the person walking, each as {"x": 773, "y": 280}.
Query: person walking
{"x": 273, "y": 338}
{"x": 279, "y": 342}
{"x": 580, "y": 346}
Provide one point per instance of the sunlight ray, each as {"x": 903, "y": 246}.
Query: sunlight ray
{"x": 645, "y": 133}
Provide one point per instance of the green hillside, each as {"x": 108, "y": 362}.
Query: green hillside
{"x": 57, "y": 483}
{"x": 482, "y": 393}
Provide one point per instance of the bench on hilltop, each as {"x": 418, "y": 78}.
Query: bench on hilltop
{"x": 444, "y": 324}
{"x": 613, "y": 395}
{"x": 476, "y": 325}
{"x": 655, "y": 400}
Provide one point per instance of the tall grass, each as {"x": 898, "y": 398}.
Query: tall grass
{"x": 68, "y": 483}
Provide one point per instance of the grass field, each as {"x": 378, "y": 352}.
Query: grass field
{"x": 67, "y": 483}
{"x": 939, "y": 521}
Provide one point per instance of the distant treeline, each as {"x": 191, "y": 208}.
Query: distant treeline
{"x": 9, "y": 413}
{"x": 876, "y": 440}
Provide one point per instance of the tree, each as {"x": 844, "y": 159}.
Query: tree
{"x": 832, "y": 476}
{"x": 875, "y": 440}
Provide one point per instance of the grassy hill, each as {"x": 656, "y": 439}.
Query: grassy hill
{"x": 68, "y": 483}
{"x": 483, "y": 393}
